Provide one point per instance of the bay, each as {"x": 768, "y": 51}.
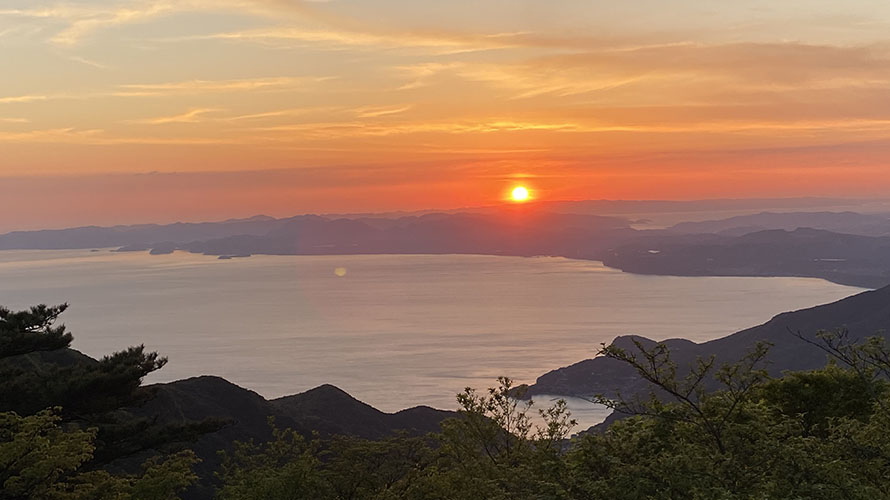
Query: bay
{"x": 392, "y": 330}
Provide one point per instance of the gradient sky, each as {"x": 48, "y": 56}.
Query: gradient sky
{"x": 162, "y": 110}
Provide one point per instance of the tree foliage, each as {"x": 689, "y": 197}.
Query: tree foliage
{"x": 817, "y": 434}
{"x": 707, "y": 431}
{"x": 492, "y": 450}
{"x": 41, "y": 460}
{"x": 64, "y": 418}
{"x": 32, "y": 330}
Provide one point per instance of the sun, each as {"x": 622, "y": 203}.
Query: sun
{"x": 519, "y": 193}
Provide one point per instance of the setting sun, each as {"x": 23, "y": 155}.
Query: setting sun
{"x": 520, "y": 193}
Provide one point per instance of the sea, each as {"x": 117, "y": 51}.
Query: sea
{"x": 394, "y": 331}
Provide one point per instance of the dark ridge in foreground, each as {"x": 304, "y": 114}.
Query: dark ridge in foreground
{"x": 234, "y": 413}
{"x": 330, "y": 410}
{"x": 863, "y": 315}
{"x": 325, "y": 410}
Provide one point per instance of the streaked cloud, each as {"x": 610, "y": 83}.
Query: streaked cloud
{"x": 374, "y": 112}
{"x": 25, "y": 98}
{"x": 204, "y": 86}
{"x": 83, "y": 20}
{"x": 441, "y": 43}
{"x": 190, "y": 116}
{"x": 88, "y": 62}
{"x": 66, "y": 135}
{"x": 188, "y": 87}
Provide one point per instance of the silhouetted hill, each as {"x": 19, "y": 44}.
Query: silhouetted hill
{"x": 328, "y": 409}
{"x": 325, "y": 410}
{"x": 140, "y": 236}
{"x": 508, "y": 231}
{"x": 838, "y": 222}
{"x": 525, "y": 231}
{"x": 639, "y": 207}
{"x": 864, "y": 314}
{"x": 232, "y": 413}
{"x": 691, "y": 206}
{"x": 841, "y": 258}
{"x": 40, "y": 361}
{"x": 197, "y": 398}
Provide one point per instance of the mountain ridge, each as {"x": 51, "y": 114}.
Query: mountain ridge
{"x": 849, "y": 259}
{"x": 864, "y": 314}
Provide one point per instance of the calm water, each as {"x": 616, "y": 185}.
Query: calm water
{"x": 392, "y": 330}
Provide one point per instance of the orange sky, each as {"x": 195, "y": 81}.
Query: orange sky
{"x": 160, "y": 110}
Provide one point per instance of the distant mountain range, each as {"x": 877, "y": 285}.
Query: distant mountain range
{"x": 513, "y": 231}
{"x": 141, "y": 234}
{"x": 863, "y": 315}
{"x": 734, "y": 206}
{"x": 843, "y": 247}
{"x": 838, "y": 222}
{"x": 842, "y": 258}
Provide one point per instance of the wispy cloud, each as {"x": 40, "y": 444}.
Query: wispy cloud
{"x": 684, "y": 73}
{"x": 81, "y": 27}
{"x": 289, "y": 112}
{"x": 341, "y": 32}
{"x": 356, "y": 128}
{"x": 71, "y": 135}
{"x": 88, "y": 62}
{"x": 419, "y": 75}
{"x": 205, "y": 86}
{"x": 190, "y": 116}
{"x": 58, "y": 135}
{"x": 374, "y": 112}
{"x": 26, "y": 98}
{"x": 188, "y": 87}
{"x": 788, "y": 128}
{"x": 81, "y": 21}
{"x": 441, "y": 43}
